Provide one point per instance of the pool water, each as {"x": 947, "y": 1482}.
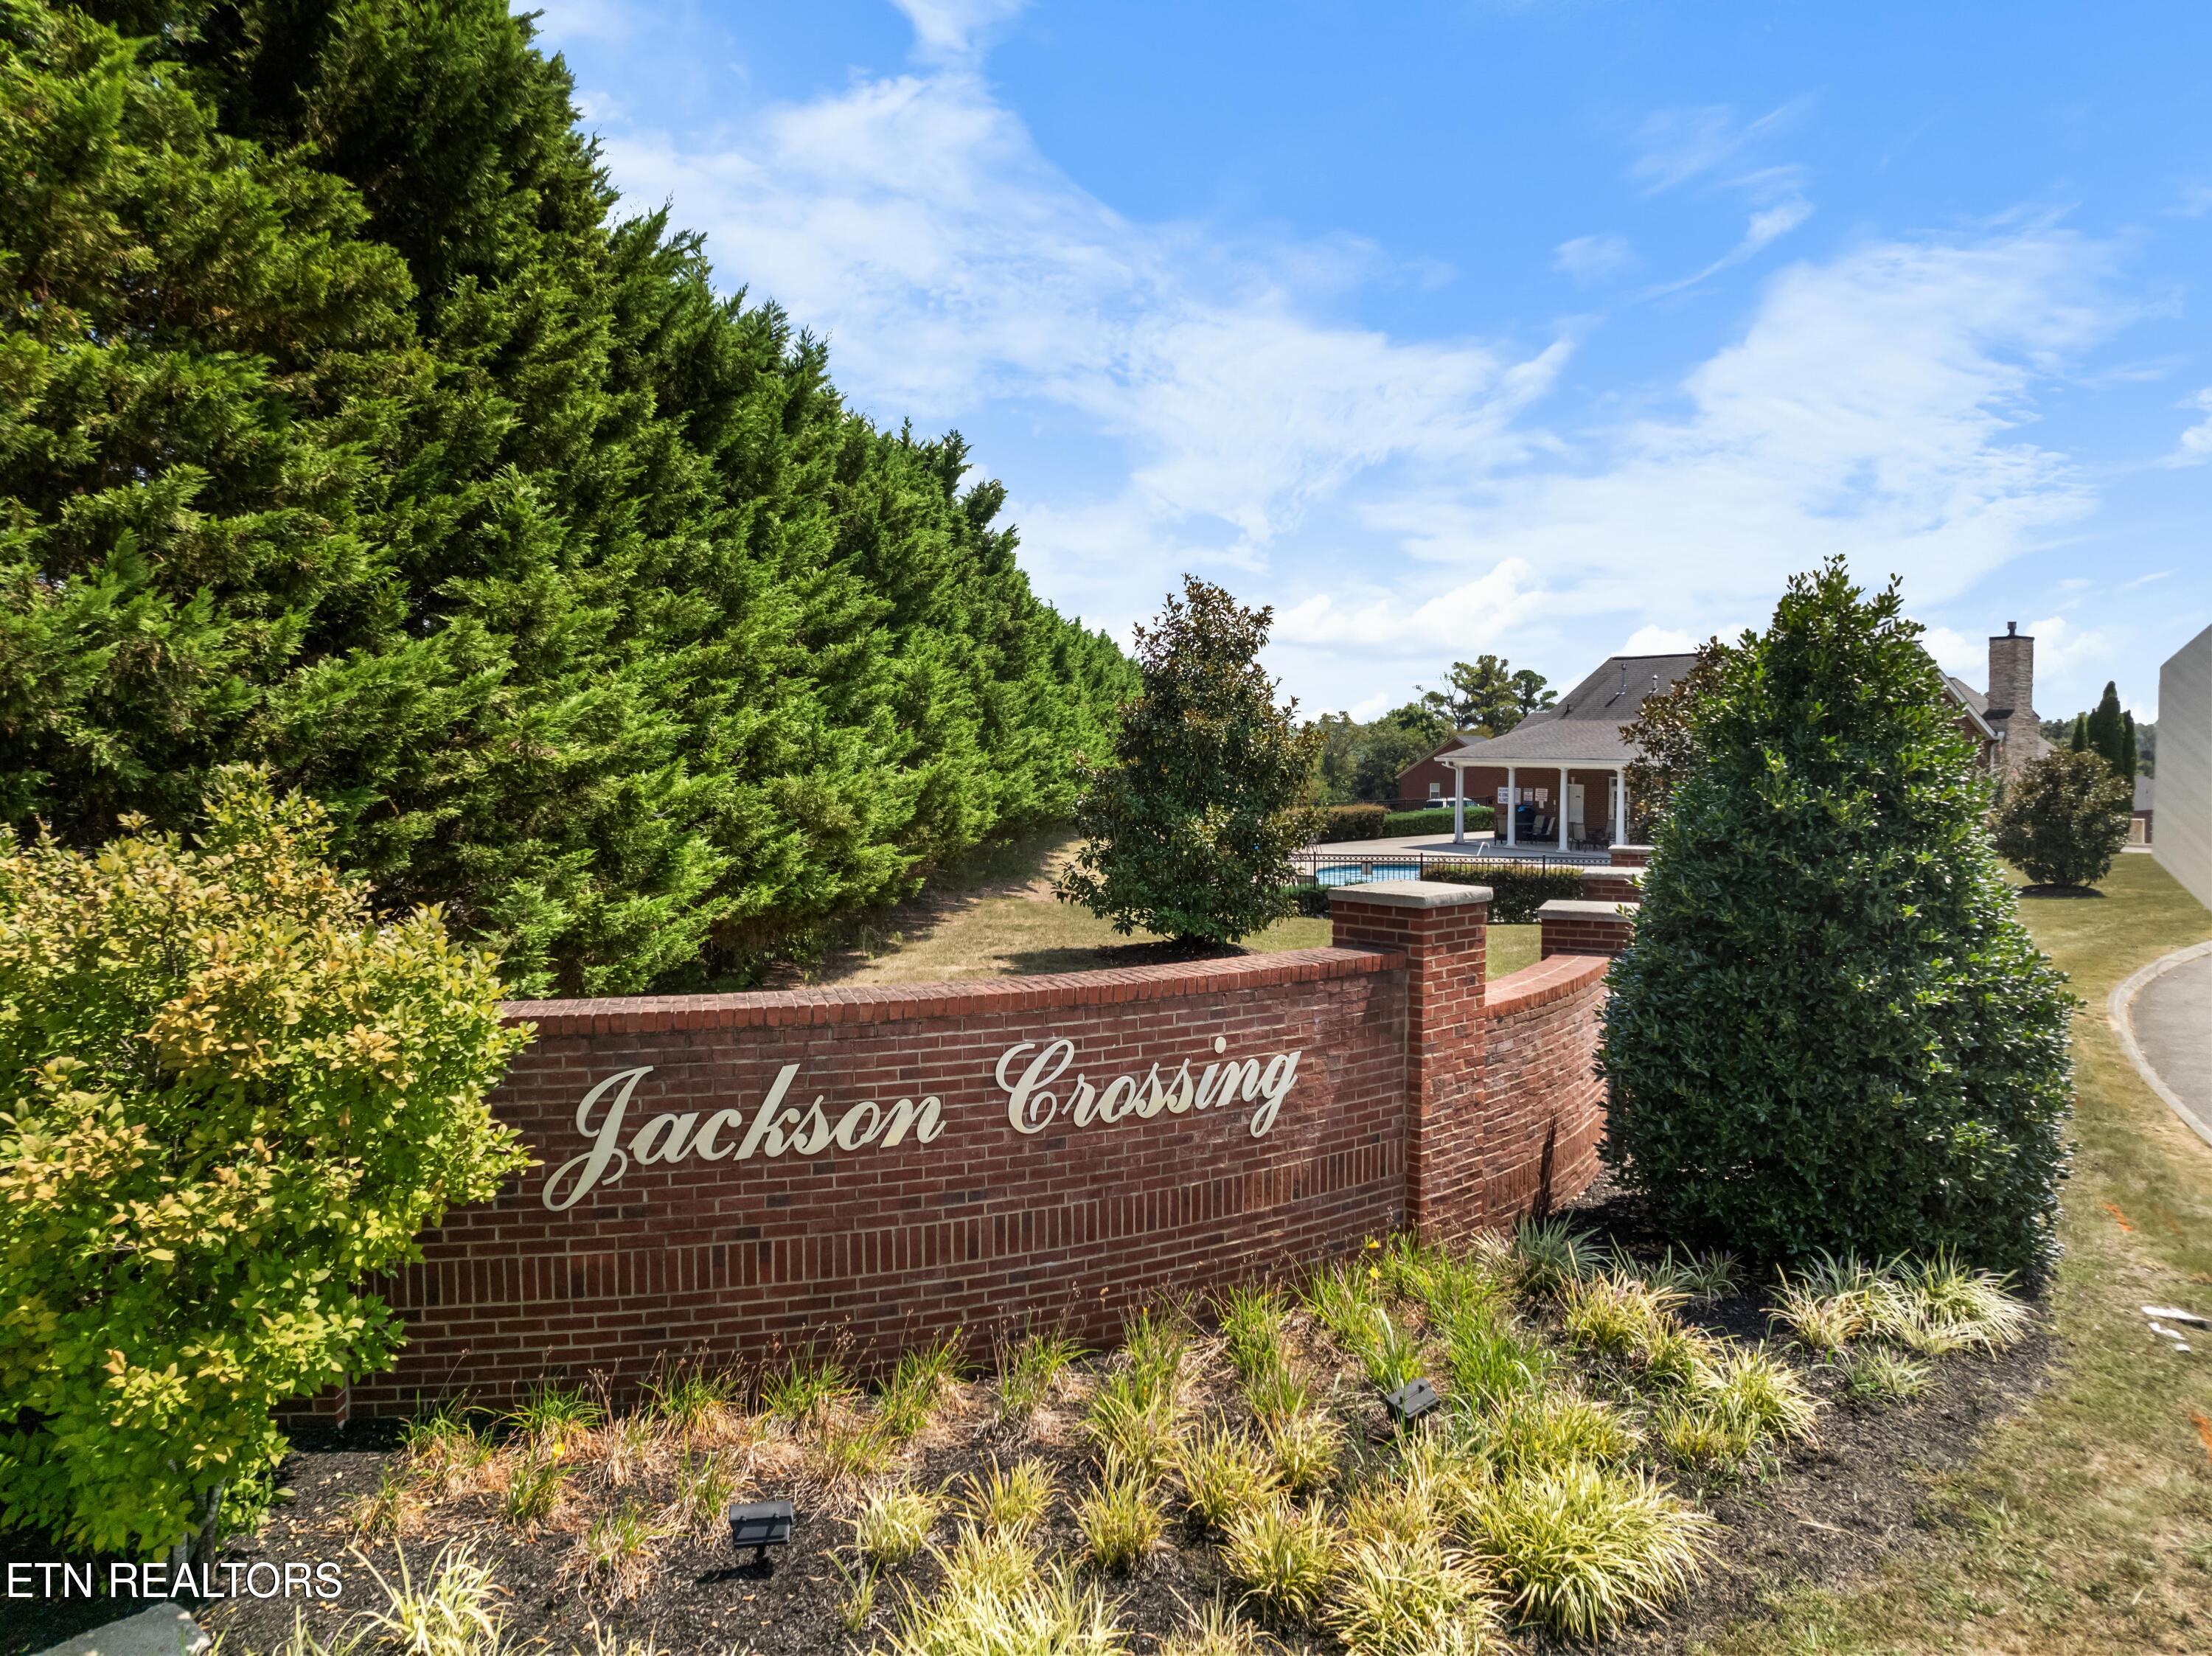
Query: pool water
{"x": 1360, "y": 873}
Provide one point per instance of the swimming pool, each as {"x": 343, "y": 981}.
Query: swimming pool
{"x": 1360, "y": 873}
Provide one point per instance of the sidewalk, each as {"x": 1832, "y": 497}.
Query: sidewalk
{"x": 2163, "y": 1015}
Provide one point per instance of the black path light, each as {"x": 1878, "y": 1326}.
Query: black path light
{"x": 1412, "y": 1401}
{"x": 761, "y": 1524}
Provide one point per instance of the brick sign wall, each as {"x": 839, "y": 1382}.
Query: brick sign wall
{"x": 727, "y": 1176}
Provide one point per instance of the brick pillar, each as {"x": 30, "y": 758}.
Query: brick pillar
{"x": 1629, "y": 856}
{"x": 1440, "y": 928}
{"x": 1585, "y": 928}
{"x": 1612, "y": 885}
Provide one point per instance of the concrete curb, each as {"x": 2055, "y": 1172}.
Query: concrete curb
{"x": 163, "y": 1630}
{"x": 2118, "y": 1008}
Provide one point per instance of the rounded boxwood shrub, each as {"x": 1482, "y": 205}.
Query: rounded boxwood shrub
{"x": 1832, "y": 1031}
{"x": 229, "y": 1100}
{"x": 2064, "y": 819}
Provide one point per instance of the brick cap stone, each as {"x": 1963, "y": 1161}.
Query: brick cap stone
{"x": 1626, "y": 847}
{"x": 1567, "y": 908}
{"x": 1634, "y": 875}
{"x": 1413, "y": 894}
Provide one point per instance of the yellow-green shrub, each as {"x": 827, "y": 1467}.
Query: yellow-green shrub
{"x": 228, "y": 1098}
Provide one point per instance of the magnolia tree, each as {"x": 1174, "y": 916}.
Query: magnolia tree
{"x": 228, "y": 1098}
{"x": 2064, "y": 818}
{"x": 1832, "y": 1031}
{"x": 1188, "y": 832}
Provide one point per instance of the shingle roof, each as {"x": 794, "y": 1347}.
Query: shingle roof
{"x": 1584, "y": 727}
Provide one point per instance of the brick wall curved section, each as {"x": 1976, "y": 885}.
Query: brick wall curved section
{"x": 983, "y": 1229}
{"x": 1544, "y": 1104}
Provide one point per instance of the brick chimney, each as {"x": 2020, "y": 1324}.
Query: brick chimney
{"x": 2012, "y": 677}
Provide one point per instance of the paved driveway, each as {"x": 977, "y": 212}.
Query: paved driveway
{"x": 2173, "y": 1019}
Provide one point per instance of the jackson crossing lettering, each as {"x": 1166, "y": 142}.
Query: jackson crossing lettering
{"x": 1031, "y": 1074}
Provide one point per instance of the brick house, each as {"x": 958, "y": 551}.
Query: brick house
{"x": 2002, "y": 720}
{"x": 1559, "y": 778}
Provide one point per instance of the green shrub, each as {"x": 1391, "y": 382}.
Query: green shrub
{"x": 1188, "y": 832}
{"x": 1831, "y": 1030}
{"x": 1516, "y": 890}
{"x": 1308, "y": 899}
{"x": 230, "y": 1099}
{"x": 1404, "y": 824}
{"x": 1352, "y": 822}
{"x": 2064, "y": 818}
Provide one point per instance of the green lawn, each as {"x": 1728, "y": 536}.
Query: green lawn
{"x": 2087, "y": 1524}
{"x": 1000, "y": 920}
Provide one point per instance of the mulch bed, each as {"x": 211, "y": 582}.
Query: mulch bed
{"x": 1823, "y": 1513}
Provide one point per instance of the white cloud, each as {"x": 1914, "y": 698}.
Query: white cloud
{"x": 1593, "y": 258}
{"x": 2059, "y": 644}
{"x": 1658, "y": 641}
{"x": 1768, "y": 225}
{"x": 955, "y": 29}
{"x": 2196, "y": 448}
{"x": 1963, "y": 658}
{"x": 1398, "y": 498}
{"x": 2196, "y": 199}
{"x": 1677, "y": 145}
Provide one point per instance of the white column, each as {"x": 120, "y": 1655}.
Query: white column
{"x": 1563, "y": 808}
{"x": 1512, "y": 810}
{"x": 1458, "y": 804}
{"x": 1620, "y": 805}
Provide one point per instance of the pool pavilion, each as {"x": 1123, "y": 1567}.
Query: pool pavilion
{"x": 1564, "y": 768}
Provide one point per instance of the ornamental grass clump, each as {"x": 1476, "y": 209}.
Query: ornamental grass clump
{"x": 1873, "y": 1376}
{"x": 1281, "y": 1554}
{"x": 1119, "y": 1517}
{"x": 1253, "y": 1322}
{"x": 1547, "y": 1429}
{"x": 1033, "y": 1614}
{"x": 1027, "y": 1370}
{"x": 1578, "y": 1548}
{"x": 1305, "y": 1447}
{"x": 1763, "y": 1397}
{"x": 893, "y": 1525}
{"x": 1549, "y": 1254}
{"x": 1133, "y": 1422}
{"x": 1401, "y": 1595}
{"x": 916, "y": 1382}
{"x": 1832, "y": 1031}
{"x": 1010, "y": 1500}
{"x": 1224, "y": 1474}
{"x": 230, "y": 1099}
{"x": 1490, "y": 1364}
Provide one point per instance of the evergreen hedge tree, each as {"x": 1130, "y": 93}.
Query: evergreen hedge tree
{"x": 348, "y": 428}
{"x": 1832, "y": 1031}
{"x": 2105, "y": 726}
{"x": 1189, "y": 830}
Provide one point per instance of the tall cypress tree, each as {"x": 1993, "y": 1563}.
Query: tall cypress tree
{"x": 571, "y": 587}
{"x": 2104, "y": 726}
{"x": 2128, "y": 758}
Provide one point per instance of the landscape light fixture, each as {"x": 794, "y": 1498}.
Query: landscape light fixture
{"x": 1412, "y": 1401}
{"x": 761, "y": 1524}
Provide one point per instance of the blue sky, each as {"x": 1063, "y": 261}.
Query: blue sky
{"x": 1548, "y": 329}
